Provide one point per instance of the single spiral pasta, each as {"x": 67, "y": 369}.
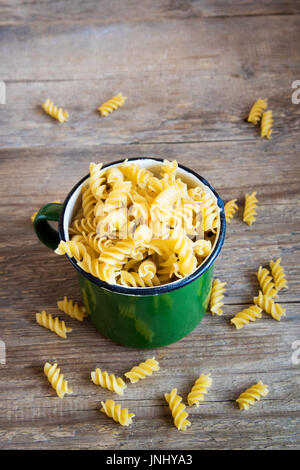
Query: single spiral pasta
{"x": 96, "y": 242}
{"x": 118, "y": 253}
{"x": 266, "y": 124}
{"x": 251, "y": 313}
{"x": 111, "y": 382}
{"x": 202, "y": 247}
{"x": 250, "y": 208}
{"x": 73, "y": 249}
{"x": 83, "y": 225}
{"x": 184, "y": 249}
{"x": 100, "y": 270}
{"x": 253, "y": 393}
{"x": 199, "y": 389}
{"x": 218, "y": 288}
{"x": 73, "y": 310}
{"x": 230, "y": 209}
{"x": 55, "y": 112}
{"x": 143, "y": 370}
{"x": 133, "y": 279}
{"x": 57, "y": 379}
{"x": 96, "y": 180}
{"x": 53, "y": 324}
{"x": 278, "y": 274}
{"x": 110, "y": 105}
{"x": 178, "y": 410}
{"x": 88, "y": 202}
{"x": 269, "y": 306}
{"x": 265, "y": 281}
{"x": 118, "y": 414}
{"x": 147, "y": 270}
{"x": 257, "y": 110}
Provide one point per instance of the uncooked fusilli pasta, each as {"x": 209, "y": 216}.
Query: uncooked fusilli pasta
{"x": 269, "y": 306}
{"x": 73, "y": 310}
{"x": 253, "y": 393}
{"x": 265, "y": 281}
{"x": 199, "y": 389}
{"x": 112, "y": 104}
{"x": 257, "y": 110}
{"x": 111, "y": 382}
{"x": 55, "y": 112}
{"x": 53, "y": 324}
{"x": 57, "y": 379}
{"x": 230, "y": 209}
{"x": 245, "y": 316}
{"x": 278, "y": 274}
{"x": 118, "y": 414}
{"x": 143, "y": 370}
{"x": 266, "y": 124}
{"x": 250, "y": 208}
{"x": 218, "y": 288}
{"x": 178, "y": 410}
{"x": 137, "y": 229}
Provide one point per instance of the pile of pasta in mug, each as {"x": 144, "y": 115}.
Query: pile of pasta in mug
{"x": 141, "y": 230}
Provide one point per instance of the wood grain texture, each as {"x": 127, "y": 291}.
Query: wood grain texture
{"x": 191, "y": 71}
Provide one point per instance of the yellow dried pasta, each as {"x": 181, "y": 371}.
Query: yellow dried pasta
{"x": 257, "y": 110}
{"x": 136, "y": 229}
{"x": 266, "y": 124}
{"x": 218, "y": 288}
{"x": 57, "y": 113}
{"x": 73, "y": 310}
{"x": 111, "y": 382}
{"x": 110, "y": 105}
{"x": 230, "y": 209}
{"x": 57, "y": 380}
{"x": 245, "y": 316}
{"x": 118, "y": 414}
{"x": 250, "y": 208}
{"x": 143, "y": 370}
{"x": 278, "y": 274}
{"x": 178, "y": 410}
{"x": 199, "y": 389}
{"x": 53, "y": 324}
{"x": 253, "y": 393}
{"x": 269, "y": 306}
{"x": 265, "y": 281}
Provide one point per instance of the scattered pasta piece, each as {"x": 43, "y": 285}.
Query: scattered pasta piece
{"x": 111, "y": 382}
{"x": 55, "y": 112}
{"x": 199, "y": 389}
{"x": 250, "y": 206}
{"x": 257, "y": 110}
{"x": 73, "y": 310}
{"x": 178, "y": 410}
{"x": 73, "y": 249}
{"x": 253, "y": 393}
{"x": 278, "y": 274}
{"x": 230, "y": 209}
{"x": 143, "y": 370}
{"x": 115, "y": 412}
{"x": 57, "y": 380}
{"x": 218, "y": 288}
{"x": 35, "y": 213}
{"x": 265, "y": 281}
{"x": 245, "y": 316}
{"x": 53, "y": 324}
{"x": 112, "y": 104}
{"x": 269, "y": 306}
{"x": 266, "y": 124}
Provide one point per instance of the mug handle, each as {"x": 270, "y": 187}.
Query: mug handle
{"x": 45, "y": 233}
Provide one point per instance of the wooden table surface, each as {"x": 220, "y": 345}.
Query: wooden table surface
{"x": 191, "y": 71}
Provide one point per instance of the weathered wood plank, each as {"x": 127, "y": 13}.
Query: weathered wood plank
{"x": 107, "y": 11}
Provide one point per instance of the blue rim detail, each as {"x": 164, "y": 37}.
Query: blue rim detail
{"x": 149, "y": 291}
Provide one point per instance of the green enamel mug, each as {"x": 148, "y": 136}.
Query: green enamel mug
{"x": 139, "y": 317}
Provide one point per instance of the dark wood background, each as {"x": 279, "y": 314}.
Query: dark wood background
{"x": 191, "y": 70}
